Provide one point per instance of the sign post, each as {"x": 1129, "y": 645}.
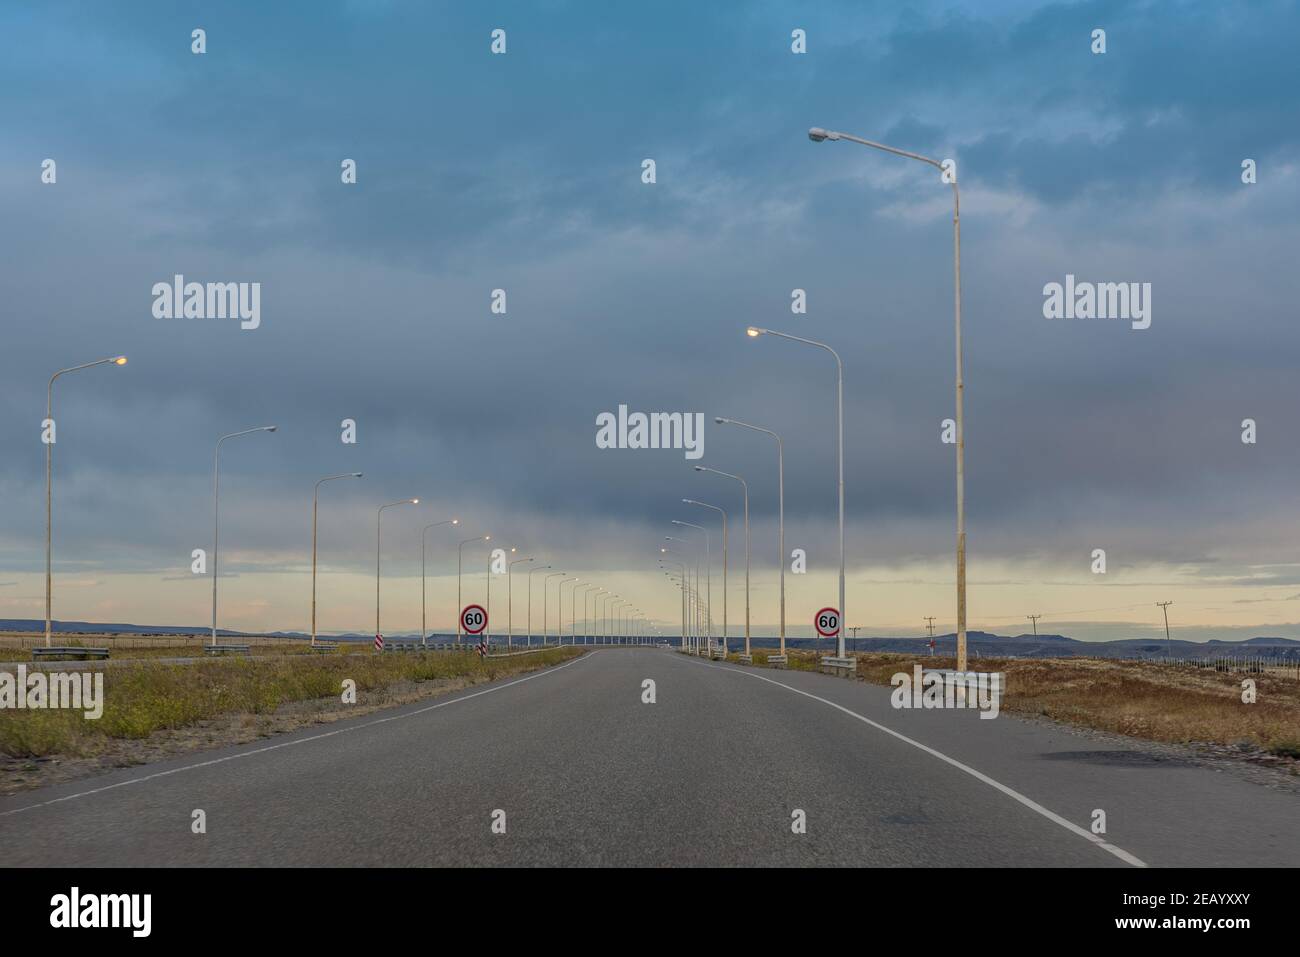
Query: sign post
{"x": 827, "y": 623}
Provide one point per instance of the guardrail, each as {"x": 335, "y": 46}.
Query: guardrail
{"x": 69, "y": 652}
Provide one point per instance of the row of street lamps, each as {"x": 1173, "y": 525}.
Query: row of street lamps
{"x": 948, "y": 176}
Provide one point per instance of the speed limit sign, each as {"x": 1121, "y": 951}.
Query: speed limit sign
{"x": 473, "y": 619}
{"x": 827, "y": 622}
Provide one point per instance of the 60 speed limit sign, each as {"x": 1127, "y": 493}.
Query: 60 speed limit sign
{"x": 473, "y": 619}
{"x": 827, "y": 622}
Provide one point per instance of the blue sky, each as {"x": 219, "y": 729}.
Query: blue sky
{"x": 522, "y": 172}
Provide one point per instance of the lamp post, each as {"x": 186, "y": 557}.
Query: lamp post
{"x": 818, "y": 135}
{"x": 559, "y": 609}
{"x": 315, "y": 496}
{"x": 49, "y": 425}
{"x": 586, "y": 588}
{"x": 708, "y": 585}
{"x": 682, "y": 585}
{"x": 215, "y": 512}
{"x": 746, "y": 657}
{"x": 723, "y": 512}
{"x": 530, "y": 601}
{"x": 424, "y": 628}
{"x": 545, "y": 599}
{"x": 693, "y": 595}
{"x": 779, "y": 659}
{"x": 460, "y": 569}
{"x": 378, "y": 524}
{"x": 754, "y": 332}
{"x": 510, "y": 603}
{"x": 591, "y": 622}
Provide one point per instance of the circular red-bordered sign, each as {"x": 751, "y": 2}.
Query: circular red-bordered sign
{"x": 827, "y": 622}
{"x": 473, "y": 619}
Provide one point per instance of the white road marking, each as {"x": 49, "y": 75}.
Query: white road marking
{"x": 978, "y": 775}
{"x": 289, "y": 744}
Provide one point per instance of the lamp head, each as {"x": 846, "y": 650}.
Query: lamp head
{"x": 720, "y": 420}
{"x": 455, "y": 521}
{"x": 699, "y": 468}
{"x": 817, "y": 134}
{"x": 357, "y": 474}
{"x": 269, "y": 428}
{"x": 754, "y": 332}
{"x": 119, "y": 360}
{"x": 415, "y": 501}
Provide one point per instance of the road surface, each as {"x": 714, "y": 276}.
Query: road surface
{"x": 712, "y": 773}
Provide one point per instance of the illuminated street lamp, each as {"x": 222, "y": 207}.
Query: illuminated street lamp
{"x": 819, "y": 135}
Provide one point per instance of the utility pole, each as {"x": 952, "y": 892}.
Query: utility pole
{"x": 930, "y": 620}
{"x": 1034, "y": 619}
{"x": 855, "y": 629}
{"x": 1164, "y": 606}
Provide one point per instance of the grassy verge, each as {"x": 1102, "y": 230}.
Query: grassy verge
{"x": 147, "y": 697}
{"x": 1137, "y": 698}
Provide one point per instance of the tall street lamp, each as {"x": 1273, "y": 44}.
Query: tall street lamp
{"x": 424, "y": 628}
{"x": 545, "y": 598}
{"x": 559, "y": 608}
{"x": 818, "y": 135}
{"x": 49, "y": 425}
{"x": 780, "y": 659}
{"x": 460, "y": 569}
{"x": 585, "y": 588}
{"x": 692, "y": 595}
{"x": 510, "y": 603}
{"x": 215, "y": 509}
{"x": 315, "y": 495}
{"x": 530, "y": 601}
{"x": 723, "y": 512}
{"x": 754, "y": 332}
{"x": 708, "y": 584}
{"x": 379, "y": 515}
{"x": 746, "y": 657}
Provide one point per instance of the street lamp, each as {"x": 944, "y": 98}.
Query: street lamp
{"x": 48, "y": 424}
{"x": 559, "y": 608}
{"x": 585, "y": 587}
{"x": 545, "y": 599}
{"x": 315, "y": 495}
{"x": 682, "y": 585}
{"x": 723, "y": 511}
{"x": 378, "y": 525}
{"x": 510, "y": 603}
{"x": 591, "y": 622}
{"x": 754, "y": 332}
{"x": 780, "y": 471}
{"x": 424, "y": 630}
{"x": 818, "y": 135}
{"x": 745, "y": 490}
{"x": 693, "y": 595}
{"x": 530, "y": 601}
{"x": 460, "y": 567}
{"x": 708, "y": 584}
{"x": 215, "y": 503}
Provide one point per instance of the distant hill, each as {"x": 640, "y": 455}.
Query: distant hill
{"x": 978, "y": 642}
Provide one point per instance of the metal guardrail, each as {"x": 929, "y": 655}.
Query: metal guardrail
{"x": 226, "y": 650}
{"x": 69, "y": 652}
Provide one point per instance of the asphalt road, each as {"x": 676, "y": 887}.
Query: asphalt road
{"x": 710, "y": 774}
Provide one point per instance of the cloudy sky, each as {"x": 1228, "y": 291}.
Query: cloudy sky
{"x": 523, "y": 172}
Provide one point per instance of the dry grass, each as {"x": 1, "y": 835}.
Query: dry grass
{"x": 145, "y": 697}
{"x": 1137, "y": 698}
